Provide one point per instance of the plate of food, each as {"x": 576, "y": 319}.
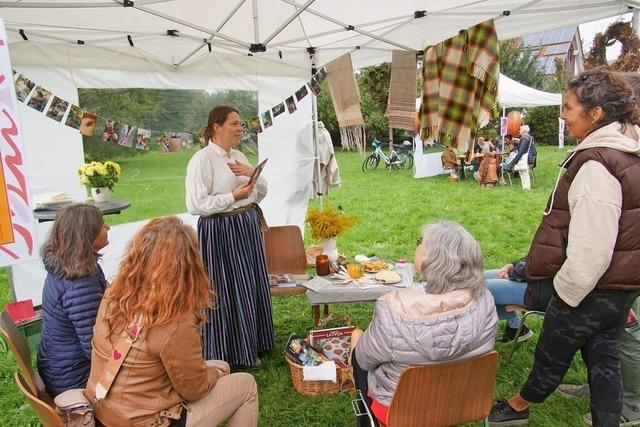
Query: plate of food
{"x": 375, "y": 266}
{"x": 388, "y": 277}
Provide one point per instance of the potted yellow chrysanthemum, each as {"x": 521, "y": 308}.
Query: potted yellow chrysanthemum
{"x": 326, "y": 225}
{"x": 100, "y": 178}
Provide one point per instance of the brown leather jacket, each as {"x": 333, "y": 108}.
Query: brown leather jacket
{"x": 163, "y": 369}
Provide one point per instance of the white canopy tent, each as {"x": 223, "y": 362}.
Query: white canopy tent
{"x": 262, "y": 45}
{"x": 514, "y": 94}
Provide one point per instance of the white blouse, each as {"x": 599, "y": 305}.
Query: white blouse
{"x": 210, "y": 182}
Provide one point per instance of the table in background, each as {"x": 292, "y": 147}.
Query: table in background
{"x": 114, "y": 206}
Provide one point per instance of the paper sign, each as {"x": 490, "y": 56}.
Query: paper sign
{"x": 504, "y": 125}
{"x": 560, "y": 132}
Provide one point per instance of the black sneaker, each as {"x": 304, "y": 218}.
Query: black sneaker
{"x": 510, "y": 333}
{"x": 504, "y": 415}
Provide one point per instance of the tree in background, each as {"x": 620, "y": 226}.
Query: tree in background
{"x": 520, "y": 64}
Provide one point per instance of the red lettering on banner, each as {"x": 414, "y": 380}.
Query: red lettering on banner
{"x": 13, "y": 162}
{"x": 26, "y": 235}
{"x": 8, "y": 252}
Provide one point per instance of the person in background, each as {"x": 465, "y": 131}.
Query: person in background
{"x": 588, "y": 245}
{"x": 163, "y": 290}
{"x": 520, "y": 162}
{"x": 230, "y": 236}
{"x": 629, "y": 344}
{"x": 71, "y": 296}
{"x": 452, "y": 308}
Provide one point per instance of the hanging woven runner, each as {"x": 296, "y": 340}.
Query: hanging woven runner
{"x": 460, "y": 86}
{"x": 401, "y": 108}
{"x": 345, "y": 96}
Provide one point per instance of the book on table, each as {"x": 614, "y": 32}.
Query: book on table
{"x": 335, "y": 343}
{"x": 287, "y": 280}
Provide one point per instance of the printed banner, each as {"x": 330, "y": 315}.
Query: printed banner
{"x": 504, "y": 126}
{"x": 560, "y": 132}
{"x": 17, "y": 232}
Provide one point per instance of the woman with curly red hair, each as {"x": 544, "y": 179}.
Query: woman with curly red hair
{"x": 163, "y": 289}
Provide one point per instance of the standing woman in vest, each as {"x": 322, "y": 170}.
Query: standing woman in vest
{"x": 230, "y": 237}
{"x": 588, "y": 246}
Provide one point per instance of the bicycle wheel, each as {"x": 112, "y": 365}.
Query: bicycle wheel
{"x": 370, "y": 163}
{"x": 406, "y": 160}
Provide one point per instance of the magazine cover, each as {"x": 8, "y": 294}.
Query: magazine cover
{"x": 301, "y": 353}
{"x": 335, "y": 343}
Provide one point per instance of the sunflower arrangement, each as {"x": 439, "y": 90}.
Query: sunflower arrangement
{"x": 98, "y": 174}
{"x": 328, "y": 222}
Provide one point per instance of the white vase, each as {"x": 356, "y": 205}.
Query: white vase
{"x": 329, "y": 248}
{"x": 100, "y": 194}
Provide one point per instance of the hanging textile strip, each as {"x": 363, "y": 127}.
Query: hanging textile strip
{"x": 345, "y": 96}
{"x": 401, "y": 108}
{"x": 484, "y": 65}
{"x": 455, "y": 102}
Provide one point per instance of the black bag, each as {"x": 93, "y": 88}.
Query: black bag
{"x": 518, "y": 274}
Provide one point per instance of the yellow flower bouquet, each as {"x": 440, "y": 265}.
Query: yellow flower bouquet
{"x": 97, "y": 174}
{"x": 328, "y": 222}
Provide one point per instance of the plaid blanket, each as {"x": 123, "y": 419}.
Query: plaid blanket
{"x": 401, "y": 108}
{"x": 460, "y": 77}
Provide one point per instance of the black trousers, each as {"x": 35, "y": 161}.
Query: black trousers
{"x": 594, "y": 327}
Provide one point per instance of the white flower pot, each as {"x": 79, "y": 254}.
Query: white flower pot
{"x": 100, "y": 194}
{"x": 329, "y": 248}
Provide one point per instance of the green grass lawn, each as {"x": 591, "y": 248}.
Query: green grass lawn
{"x": 391, "y": 207}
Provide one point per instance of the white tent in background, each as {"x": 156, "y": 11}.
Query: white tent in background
{"x": 510, "y": 94}
{"x": 261, "y": 45}
{"x": 514, "y": 94}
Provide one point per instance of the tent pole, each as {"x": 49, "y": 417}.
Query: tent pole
{"x": 314, "y": 120}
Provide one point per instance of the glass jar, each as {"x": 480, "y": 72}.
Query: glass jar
{"x": 322, "y": 265}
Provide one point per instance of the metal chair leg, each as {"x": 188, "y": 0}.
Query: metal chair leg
{"x": 516, "y": 344}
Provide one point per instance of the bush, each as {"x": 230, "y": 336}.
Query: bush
{"x": 543, "y": 122}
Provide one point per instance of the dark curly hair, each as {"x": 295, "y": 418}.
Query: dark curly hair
{"x": 608, "y": 90}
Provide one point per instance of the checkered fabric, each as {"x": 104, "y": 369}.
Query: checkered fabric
{"x": 460, "y": 84}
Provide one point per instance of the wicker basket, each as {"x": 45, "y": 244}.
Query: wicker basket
{"x": 315, "y": 388}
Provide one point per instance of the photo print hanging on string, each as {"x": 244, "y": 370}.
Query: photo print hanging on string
{"x": 110, "y": 133}
{"x": 88, "y": 124}
{"x": 254, "y": 125}
{"x": 39, "y": 98}
{"x": 74, "y": 118}
{"x": 301, "y": 93}
{"x": 314, "y": 86}
{"x": 57, "y": 109}
{"x": 267, "y": 121}
{"x": 291, "y": 105}
{"x": 278, "y": 109}
{"x": 126, "y": 136}
{"x": 143, "y": 138}
{"x": 24, "y": 86}
{"x": 320, "y": 75}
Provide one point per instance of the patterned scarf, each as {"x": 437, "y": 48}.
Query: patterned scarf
{"x": 460, "y": 85}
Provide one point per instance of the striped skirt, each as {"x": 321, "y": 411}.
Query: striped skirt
{"x": 240, "y": 325}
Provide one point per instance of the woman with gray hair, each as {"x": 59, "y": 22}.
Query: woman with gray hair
{"x": 450, "y": 317}
{"x": 520, "y": 162}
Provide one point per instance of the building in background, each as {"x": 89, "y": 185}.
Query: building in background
{"x": 563, "y": 43}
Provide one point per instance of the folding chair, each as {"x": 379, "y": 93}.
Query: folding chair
{"x": 21, "y": 352}
{"x": 444, "y": 395}
{"x": 46, "y": 414}
{"x": 526, "y": 313}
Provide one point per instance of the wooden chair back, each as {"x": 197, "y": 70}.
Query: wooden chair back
{"x": 21, "y": 352}
{"x": 284, "y": 250}
{"x": 444, "y": 395}
{"x": 46, "y": 414}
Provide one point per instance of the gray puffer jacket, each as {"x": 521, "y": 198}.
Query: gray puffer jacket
{"x": 413, "y": 328}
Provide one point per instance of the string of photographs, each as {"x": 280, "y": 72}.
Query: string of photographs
{"x": 62, "y": 111}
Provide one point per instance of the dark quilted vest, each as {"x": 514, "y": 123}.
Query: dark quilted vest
{"x": 548, "y": 249}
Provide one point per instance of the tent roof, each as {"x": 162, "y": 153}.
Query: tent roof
{"x": 514, "y": 94}
{"x": 370, "y": 29}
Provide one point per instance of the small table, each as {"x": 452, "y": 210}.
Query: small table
{"x": 113, "y": 206}
{"x": 345, "y": 294}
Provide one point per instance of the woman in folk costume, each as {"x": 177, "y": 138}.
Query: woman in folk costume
{"x": 231, "y": 243}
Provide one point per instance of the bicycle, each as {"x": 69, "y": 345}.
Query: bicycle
{"x": 397, "y": 160}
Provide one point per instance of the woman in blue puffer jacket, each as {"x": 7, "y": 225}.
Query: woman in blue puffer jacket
{"x": 71, "y": 296}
